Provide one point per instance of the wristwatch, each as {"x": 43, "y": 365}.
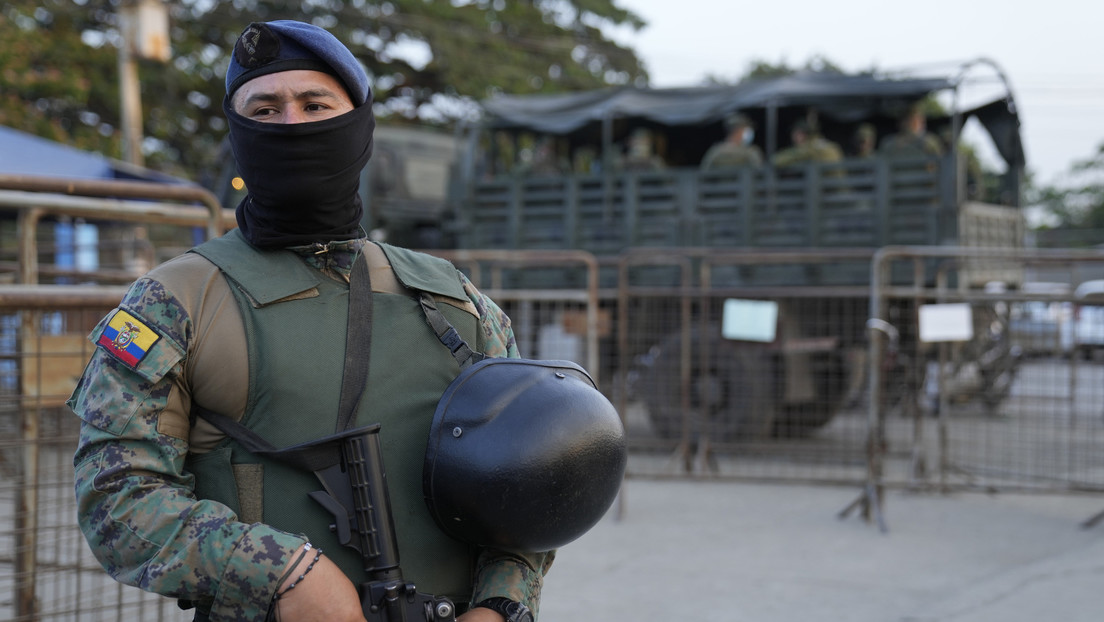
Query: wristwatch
{"x": 512, "y": 610}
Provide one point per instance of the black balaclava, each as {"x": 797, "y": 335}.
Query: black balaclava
{"x": 302, "y": 179}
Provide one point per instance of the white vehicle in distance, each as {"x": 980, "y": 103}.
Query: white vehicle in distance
{"x": 1085, "y": 334}
{"x": 1039, "y": 327}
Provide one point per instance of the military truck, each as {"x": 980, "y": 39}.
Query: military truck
{"x": 554, "y": 172}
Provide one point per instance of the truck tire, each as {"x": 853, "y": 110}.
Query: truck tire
{"x": 731, "y": 397}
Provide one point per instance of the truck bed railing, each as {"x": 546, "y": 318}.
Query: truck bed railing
{"x": 855, "y": 203}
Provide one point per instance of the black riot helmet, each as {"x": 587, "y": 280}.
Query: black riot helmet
{"x": 523, "y": 455}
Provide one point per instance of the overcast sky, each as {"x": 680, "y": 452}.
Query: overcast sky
{"x": 1051, "y": 52}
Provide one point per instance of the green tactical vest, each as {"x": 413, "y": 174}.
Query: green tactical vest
{"x": 295, "y": 324}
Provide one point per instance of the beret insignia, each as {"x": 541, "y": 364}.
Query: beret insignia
{"x": 257, "y": 46}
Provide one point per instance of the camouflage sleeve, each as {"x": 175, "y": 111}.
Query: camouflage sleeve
{"x": 136, "y": 503}
{"x": 517, "y": 576}
{"x": 497, "y": 332}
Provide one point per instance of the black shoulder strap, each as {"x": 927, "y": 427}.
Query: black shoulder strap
{"x": 463, "y": 354}
{"x": 358, "y": 344}
{"x": 314, "y": 456}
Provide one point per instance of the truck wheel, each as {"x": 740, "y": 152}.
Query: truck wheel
{"x": 731, "y": 397}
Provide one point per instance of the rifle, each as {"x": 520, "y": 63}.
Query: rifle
{"x": 356, "y": 495}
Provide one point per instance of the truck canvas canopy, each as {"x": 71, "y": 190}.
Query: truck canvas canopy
{"x": 839, "y": 101}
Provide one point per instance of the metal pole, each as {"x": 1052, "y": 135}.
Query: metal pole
{"x": 26, "y": 510}
{"x": 607, "y": 168}
{"x": 880, "y": 330}
{"x": 26, "y": 517}
{"x": 219, "y": 219}
{"x": 772, "y": 129}
{"x": 130, "y": 97}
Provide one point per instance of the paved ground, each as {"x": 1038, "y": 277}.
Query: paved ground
{"x": 733, "y": 552}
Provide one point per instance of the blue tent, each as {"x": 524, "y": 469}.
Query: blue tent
{"x": 26, "y": 154}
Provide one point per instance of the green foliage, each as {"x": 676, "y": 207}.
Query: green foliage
{"x": 760, "y": 68}
{"x": 55, "y": 89}
{"x": 58, "y": 74}
{"x": 1078, "y": 202}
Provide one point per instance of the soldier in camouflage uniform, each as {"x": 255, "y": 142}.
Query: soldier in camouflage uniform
{"x": 913, "y": 140}
{"x": 640, "y": 154}
{"x": 247, "y": 326}
{"x": 808, "y": 146}
{"x": 736, "y": 149}
{"x": 864, "y": 141}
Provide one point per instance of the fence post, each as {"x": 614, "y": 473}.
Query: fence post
{"x": 26, "y": 508}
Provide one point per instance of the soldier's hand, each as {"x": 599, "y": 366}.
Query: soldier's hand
{"x": 325, "y": 594}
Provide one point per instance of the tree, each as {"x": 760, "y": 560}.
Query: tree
{"x": 52, "y": 84}
{"x": 425, "y": 57}
{"x": 1074, "y": 209}
{"x": 760, "y": 68}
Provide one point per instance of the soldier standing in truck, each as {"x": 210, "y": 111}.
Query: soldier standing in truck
{"x": 736, "y": 149}
{"x": 808, "y": 146}
{"x": 913, "y": 139}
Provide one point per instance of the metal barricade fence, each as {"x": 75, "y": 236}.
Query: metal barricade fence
{"x": 781, "y": 406}
{"x": 47, "y": 571}
{"x": 986, "y": 384}
{"x": 817, "y": 398}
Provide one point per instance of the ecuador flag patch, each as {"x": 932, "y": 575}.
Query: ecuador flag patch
{"x": 127, "y": 338}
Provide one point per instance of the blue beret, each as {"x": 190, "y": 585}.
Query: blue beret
{"x": 285, "y": 45}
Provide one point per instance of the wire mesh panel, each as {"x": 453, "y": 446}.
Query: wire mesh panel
{"x": 742, "y": 365}
{"x": 995, "y": 386}
{"x": 71, "y": 234}
{"x": 47, "y": 571}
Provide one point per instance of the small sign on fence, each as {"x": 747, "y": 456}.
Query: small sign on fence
{"x": 750, "y": 320}
{"x": 946, "y": 322}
